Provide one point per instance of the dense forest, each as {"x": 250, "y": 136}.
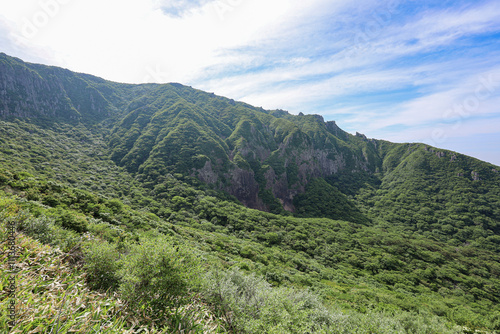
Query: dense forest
{"x": 165, "y": 208}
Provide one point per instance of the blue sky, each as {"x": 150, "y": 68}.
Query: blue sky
{"x": 405, "y": 71}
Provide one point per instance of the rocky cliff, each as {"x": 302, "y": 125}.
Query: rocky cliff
{"x": 265, "y": 158}
{"x": 39, "y": 92}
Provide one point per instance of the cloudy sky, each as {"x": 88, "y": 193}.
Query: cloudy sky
{"x": 405, "y": 71}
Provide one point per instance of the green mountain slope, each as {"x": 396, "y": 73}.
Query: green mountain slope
{"x": 263, "y": 158}
{"x": 441, "y": 194}
{"x": 260, "y": 157}
{"x": 372, "y": 227}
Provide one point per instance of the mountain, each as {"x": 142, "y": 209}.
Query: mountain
{"x": 370, "y": 225}
{"x": 266, "y": 159}
{"x": 256, "y": 155}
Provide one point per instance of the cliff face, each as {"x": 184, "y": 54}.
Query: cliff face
{"x": 26, "y": 94}
{"x": 261, "y": 157}
{"x": 253, "y": 154}
{"x": 48, "y": 93}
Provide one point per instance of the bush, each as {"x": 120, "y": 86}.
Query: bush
{"x": 41, "y": 228}
{"x": 115, "y": 205}
{"x": 249, "y": 304}
{"x": 102, "y": 265}
{"x": 46, "y": 231}
{"x": 158, "y": 274}
{"x": 70, "y": 221}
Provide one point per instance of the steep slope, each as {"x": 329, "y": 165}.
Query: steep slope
{"x": 266, "y": 159}
{"x": 253, "y": 154}
{"x": 263, "y": 158}
{"x": 414, "y": 228}
{"x": 47, "y": 94}
{"x": 442, "y": 194}
{"x": 373, "y": 270}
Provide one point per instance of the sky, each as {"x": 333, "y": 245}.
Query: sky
{"x": 404, "y": 71}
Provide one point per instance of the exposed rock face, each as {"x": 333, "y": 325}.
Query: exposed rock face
{"x": 319, "y": 118}
{"x": 245, "y": 188}
{"x": 475, "y": 176}
{"x": 207, "y": 174}
{"x": 242, "y": 184}
{"x": 333, "y": 128}
{"x": 29, "y": 96}
{"x": 285, "y": 162}
{"x": 279, "y": 187}
{"x": 318, "y": 163}
{"x": 171, "y": 128}
{"x": 310, "y": 162}
{"x": 49, "y": 93}
{"x": 361, "y": 135}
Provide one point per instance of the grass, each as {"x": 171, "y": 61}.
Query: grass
{"x": 52, "y": 297}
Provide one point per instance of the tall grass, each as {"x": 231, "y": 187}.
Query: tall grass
{"x": 53, "y": 296}
{"x": 158, "y": 286}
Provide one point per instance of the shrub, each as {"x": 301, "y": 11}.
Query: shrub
{"x": 158, "y": 274}
{"x": 115, "y": 205}
{"x": 46, "y": 231}
{"x": 249, "y": 304}
{"x": 41, "y": 228}
{"x": 70, "y": 221}
{"x": 101, "y": 265}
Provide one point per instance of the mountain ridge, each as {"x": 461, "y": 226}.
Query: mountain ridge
{"x": 265, "y": 158}
{"x": 377, "y": 228}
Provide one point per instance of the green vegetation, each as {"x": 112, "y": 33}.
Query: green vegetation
{"x": 324, "y": 200}
{"x": 130, "y": 197}
{"x": 128, "y": 273}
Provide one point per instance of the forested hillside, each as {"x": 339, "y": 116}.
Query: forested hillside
{"x": 351, "y": 234}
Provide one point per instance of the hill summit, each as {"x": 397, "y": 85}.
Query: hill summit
{"x": 267, "y": 159}
{"x": 393, "y": 237}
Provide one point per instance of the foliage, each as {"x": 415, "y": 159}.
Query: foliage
{"x": 55, "y": 299}
{"x": 324, "y": 200}
{"x": 127, "y": 180}
{"x": 158, "y": 275}
{"x": 102, "y": 265}
{"x": 250, "y": 305}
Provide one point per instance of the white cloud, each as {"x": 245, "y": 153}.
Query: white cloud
{"x": 122, "y": 39}
{"x": 290, "y": 54}
{"x": 439, "y": 134}
{"x": 179, "y": 8}
{"x": 474, "y": 96}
